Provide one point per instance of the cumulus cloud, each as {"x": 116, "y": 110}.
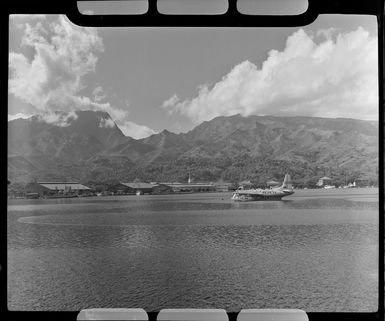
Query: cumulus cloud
{"x": 106, "y": 123}
{"x": 18, "y": 115}
{"x": 332, "y": 77}
{"x": 28, "y": 16}
{"x": 98, "y": 94}
{"x": 53, "y": 78}
{"x": 135, "y": 131}
{"x": 60, "y": 119}
{"x": 19, "y": 19}
{"x": 63, "y": 55}
{"x": 172, "y": 101}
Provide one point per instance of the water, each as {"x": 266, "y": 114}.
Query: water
{"x": 316, "y": 250}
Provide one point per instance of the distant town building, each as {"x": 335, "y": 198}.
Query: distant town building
{"x": 56, "y": 189}
{"x": 161, "y": 189}
{"x": 350, "y": 185}
{"x": 222, "y": 188}
{"x": 169, "y": 188}
{"x": 190, "y": 188}
{"x": 323, "y": 181}
{"x": 225, "y": 187}
{"x": 135, "y": 188}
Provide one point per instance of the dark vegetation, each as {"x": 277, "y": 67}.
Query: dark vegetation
{"x": 225, "y": 149}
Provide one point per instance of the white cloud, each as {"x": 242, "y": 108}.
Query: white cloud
{"x": 27, "y": 16}
{"x": 336, "y": 77}
{"x": 98, "y": 94}
{"x": 63, "y": 54}
{"x": 326, "y": 33}
{"x": 19, "y": 19}
{"x": 134, "y": 130}
{"x": 83, "y": 102}
{"x": 106, "y": 123}
{"x": 18, "y": 115}
{"x": 60, "y": 119}
{"x": 173, "y": 100}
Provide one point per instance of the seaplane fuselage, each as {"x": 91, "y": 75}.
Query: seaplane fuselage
{"x": 259, "y": 194}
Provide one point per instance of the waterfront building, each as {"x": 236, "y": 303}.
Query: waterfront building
{"x": 191, "y": 188}
{"x": 222, "y": 188}
{"x": 161, "y": 188}
{"x": 323, "y": 181}
{"x": 225, "y": 187}
{"x": 169, "y": 188}
{"x": 56, "y": 189}
{"x": 135, "y": 188}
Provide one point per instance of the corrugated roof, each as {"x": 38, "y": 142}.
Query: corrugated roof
{"x": 191, "y": 185}
{"x": 138, "y": 185}
{"x": 64, "y": 186}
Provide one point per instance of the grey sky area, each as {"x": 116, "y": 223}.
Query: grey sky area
{"x": 149, "y": 79}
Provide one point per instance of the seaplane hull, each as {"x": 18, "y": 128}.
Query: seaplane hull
{"x": 240, "y": 197}
{"x": 273, "y": 194}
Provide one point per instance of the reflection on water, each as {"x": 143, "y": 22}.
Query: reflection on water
{"x": 315, "y": 252}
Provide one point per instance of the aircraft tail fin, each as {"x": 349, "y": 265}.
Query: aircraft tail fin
{"x": 287, "y": 182}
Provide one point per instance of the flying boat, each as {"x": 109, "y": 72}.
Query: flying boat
{"x": 258, "y": 194}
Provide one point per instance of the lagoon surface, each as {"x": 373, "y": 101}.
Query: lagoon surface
{"x": 315, "y": 250}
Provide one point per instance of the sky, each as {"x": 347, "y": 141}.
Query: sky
{"x": 151, "y": 79}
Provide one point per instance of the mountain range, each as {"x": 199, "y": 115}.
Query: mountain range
{"x": 88, "y": 146}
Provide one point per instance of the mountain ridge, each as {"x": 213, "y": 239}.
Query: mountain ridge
{"x": 90, "y": 146}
